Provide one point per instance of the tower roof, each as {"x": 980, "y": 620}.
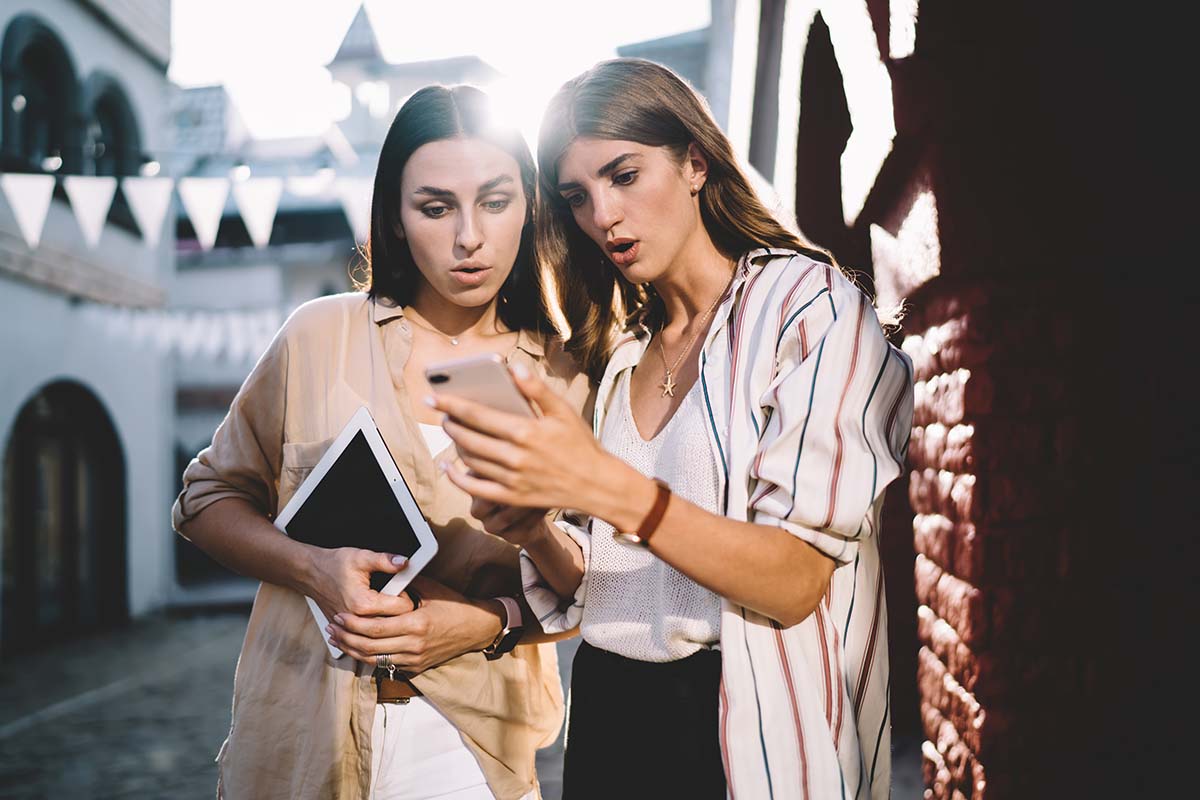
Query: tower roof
{"x": 359, "y": 43}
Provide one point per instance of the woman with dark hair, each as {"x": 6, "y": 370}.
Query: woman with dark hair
{"x": 725, "y": 566}
{"x": 452, "y": 272}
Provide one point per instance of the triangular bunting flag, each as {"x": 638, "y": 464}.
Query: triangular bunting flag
{"x": 204, "y": 201}
{"x": 355, "y": 194}
{"x": 149, "y": 199}
{"x": 91, "y": 197}
{"x": 29, "y": 197}
{"x": 258, "y": 199}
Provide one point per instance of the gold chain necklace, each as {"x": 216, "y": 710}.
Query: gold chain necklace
{"x": 668, "y": 384}
{"x": 452, "y": 339}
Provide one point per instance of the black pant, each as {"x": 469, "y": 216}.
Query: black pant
{"x": 639, "y": 729}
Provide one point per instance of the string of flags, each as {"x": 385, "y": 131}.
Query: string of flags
{"x": 203, "y": 199}
{"x": 235, "y": 336}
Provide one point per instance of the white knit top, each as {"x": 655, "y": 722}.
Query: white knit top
{"x": 637, "y": 605}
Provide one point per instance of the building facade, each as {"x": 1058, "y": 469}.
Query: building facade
{"x": 85, "y": 412}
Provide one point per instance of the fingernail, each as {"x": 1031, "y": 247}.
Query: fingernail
{"x": 329, "y": 629}
{"x": 399, "y": 561}
{"x": 338, "y": 619}
{"x": 520, "y": 370}
{"x": 430, "y": 401}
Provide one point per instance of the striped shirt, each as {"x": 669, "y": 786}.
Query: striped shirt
{"x": 809, "y": 410}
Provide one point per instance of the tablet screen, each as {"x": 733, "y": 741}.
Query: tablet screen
{"x": 354, "y": 506}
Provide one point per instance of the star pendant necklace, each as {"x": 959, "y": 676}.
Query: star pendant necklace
{"x": 668, "y": 384}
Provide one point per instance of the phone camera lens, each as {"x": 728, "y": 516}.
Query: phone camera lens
{"x": 438, "y": 378}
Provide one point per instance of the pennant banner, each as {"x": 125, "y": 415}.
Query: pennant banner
{"x": 29, "y": 197}
{"x": 149, "y": 199}
{"x": 355, "y": 194}
{"x": 238, "y": 337}
{"x": 258, "y": 200}
{"x": 204, "y": 201}
{"x": 91, "y": 197}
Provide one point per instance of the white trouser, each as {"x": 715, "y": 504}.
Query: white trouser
{"x": 417, "y": 754}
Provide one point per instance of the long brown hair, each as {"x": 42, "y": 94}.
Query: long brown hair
{"x": 638, "y": 101}
{"x": 432, "y": 114}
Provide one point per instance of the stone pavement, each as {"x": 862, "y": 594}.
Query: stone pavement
{"x": 141, "y": 712}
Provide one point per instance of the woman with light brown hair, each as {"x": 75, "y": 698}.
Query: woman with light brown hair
{"x": 723, "y": 557}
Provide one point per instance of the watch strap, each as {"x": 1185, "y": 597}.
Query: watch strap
{"x": 649, "y": 524}
{"x": 511, "y": 631}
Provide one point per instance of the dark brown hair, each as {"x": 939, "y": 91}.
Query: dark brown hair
{"x": 432, "y": 114}
{"x": 638, "y": 101}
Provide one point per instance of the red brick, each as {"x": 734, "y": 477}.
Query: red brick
{"x": 933, "y": 535}
{"x": 926, "y": 574}
{"x": 958, "y": 451}
{"x": 962, "y": 605}
{"x": 942, "y": 492}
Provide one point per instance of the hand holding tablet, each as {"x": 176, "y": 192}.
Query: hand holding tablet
{"x": 356, "y": 497}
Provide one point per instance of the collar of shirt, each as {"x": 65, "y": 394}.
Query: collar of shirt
{"x": 632, "y": 344}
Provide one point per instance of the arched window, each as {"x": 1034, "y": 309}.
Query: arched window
{"x": 40, "y": 100}
{"x": 64, "y": 541}
{"x": 111, "y": 140}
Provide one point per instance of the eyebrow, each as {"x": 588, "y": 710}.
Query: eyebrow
{"x": 607, "y": 169}
{"x": 492, "y": 185}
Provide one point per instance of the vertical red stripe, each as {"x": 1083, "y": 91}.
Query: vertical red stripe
{"x": 869, "y": 653}
{"x": 837, "y": 420}
{"x": 841, "y": 678}
{"x": 791, "y": 687}
{"x": 826, "y": 678}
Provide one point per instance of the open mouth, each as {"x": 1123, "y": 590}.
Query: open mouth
{"x": 623, "y": 252}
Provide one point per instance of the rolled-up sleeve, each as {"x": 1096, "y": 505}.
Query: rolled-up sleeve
{"x": 244, "y": 457}
{"x": 555, "y": 614}
{"x": 838, "y": 415}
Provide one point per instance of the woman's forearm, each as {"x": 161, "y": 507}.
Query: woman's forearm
{"x": 558, "y": 558}
{"x": 760, "y": 567}
{"x": 239, "y": 536}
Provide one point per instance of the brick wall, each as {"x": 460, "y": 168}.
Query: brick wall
{"x": 1004, "y": 663}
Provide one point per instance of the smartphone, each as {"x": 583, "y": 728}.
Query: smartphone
{"x": 482, "y": 378}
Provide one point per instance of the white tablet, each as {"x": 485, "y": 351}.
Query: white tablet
{"x": 356, "y": 497}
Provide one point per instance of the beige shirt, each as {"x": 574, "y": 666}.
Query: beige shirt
{"x": 301, "y": 724}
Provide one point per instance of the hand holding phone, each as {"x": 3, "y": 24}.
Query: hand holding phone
{"x": 480, "y": 378}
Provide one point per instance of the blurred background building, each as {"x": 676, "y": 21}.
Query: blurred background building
{"x": 85, "y": 414}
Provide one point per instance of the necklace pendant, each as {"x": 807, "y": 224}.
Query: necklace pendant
{"x": 668, "y": 386}
{"x": 454, "y": 341}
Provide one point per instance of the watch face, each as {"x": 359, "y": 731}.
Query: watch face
{"x": 507, "y": 642}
